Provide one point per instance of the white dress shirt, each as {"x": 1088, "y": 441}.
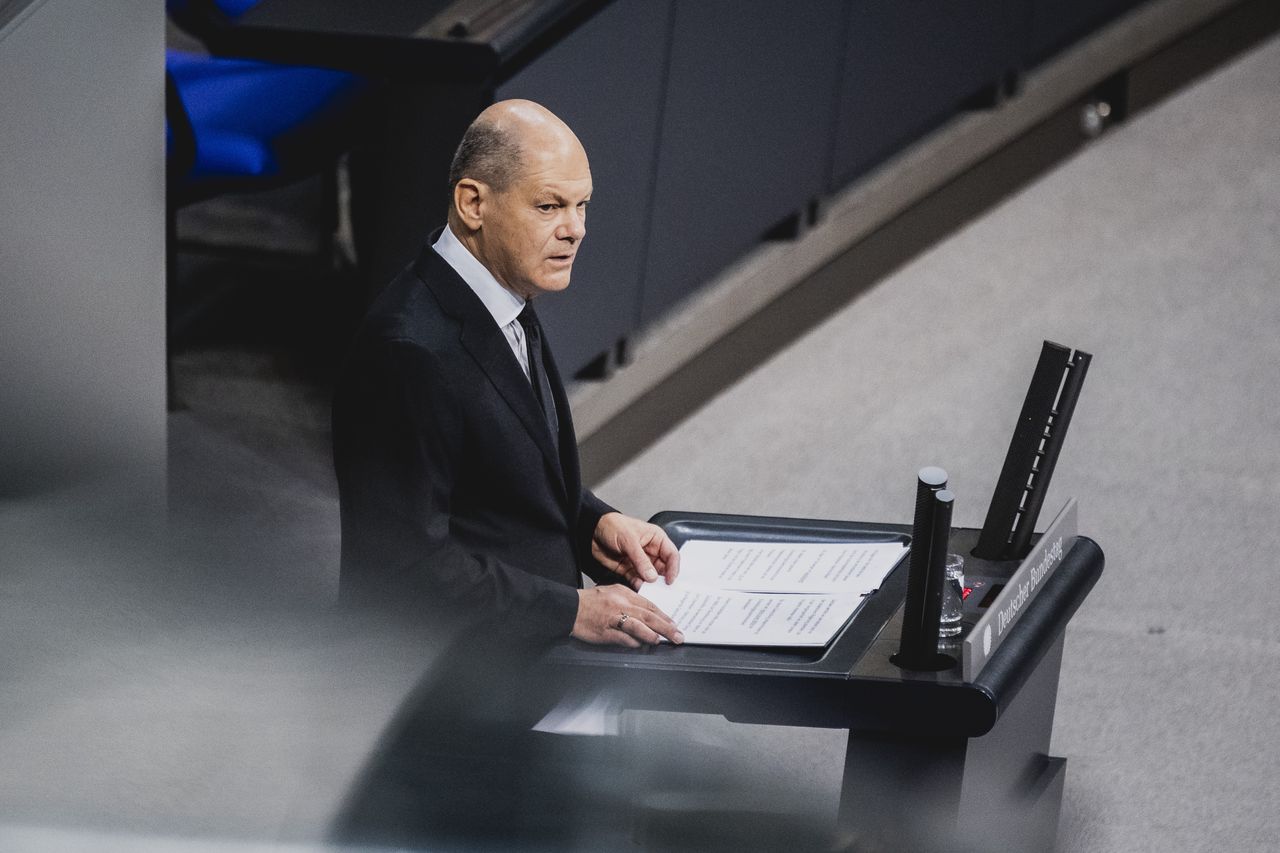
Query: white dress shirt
{"x": 504, "y": 305}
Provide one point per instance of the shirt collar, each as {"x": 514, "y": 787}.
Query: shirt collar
{"x": 504, "y": 305}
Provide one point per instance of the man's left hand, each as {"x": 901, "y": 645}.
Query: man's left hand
{"x": 635, "y": 549}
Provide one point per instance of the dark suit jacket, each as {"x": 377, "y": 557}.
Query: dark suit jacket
{"x": 455, "y": 497}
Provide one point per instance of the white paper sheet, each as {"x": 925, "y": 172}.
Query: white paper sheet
{"x": 827, "y": 567}
{"x": 771, "y": 593}
{"x": 732, "y": 618}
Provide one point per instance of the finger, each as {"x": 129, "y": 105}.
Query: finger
{"x": 622, "y": 638}
{"x": 655, "y": 627}
{"x": 637, "y": 628}
{"x": 658, "y": 623}
{"x": 641, "y": 624}
{"x": 629, "y": 575}
{"x": 669, "y": 554}
{"x": 622, "y": 633}
{"x": 667, "y": 628}
{"x": 617, "y": 566}
{"x": 640, "y": 563}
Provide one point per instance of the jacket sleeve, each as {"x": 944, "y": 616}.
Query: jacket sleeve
{"x": 398, "y": 430}
{"x": 591, "y": 508}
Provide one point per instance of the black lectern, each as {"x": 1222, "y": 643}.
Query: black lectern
{"x": 944, "y": 753}
{"x": 933, "y": 761}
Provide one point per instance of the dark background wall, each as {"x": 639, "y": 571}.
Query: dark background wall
{"x": 714, "y": 124}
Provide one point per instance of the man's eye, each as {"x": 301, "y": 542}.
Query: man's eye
{"x": 547, "y": 208}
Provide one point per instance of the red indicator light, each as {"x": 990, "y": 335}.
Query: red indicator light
{"x": 964, "y": 594}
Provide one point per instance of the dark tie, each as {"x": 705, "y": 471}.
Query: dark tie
{"x": 537, "y": 370}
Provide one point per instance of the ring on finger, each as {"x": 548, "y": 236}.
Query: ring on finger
{"x": 622, "y": 620}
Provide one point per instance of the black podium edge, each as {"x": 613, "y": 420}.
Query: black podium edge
{"x": 1012, "y": 664}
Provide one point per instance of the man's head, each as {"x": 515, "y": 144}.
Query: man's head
{"x": 521, "y": 183}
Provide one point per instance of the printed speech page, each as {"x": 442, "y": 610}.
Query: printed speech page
{"x": 771, "y": 593}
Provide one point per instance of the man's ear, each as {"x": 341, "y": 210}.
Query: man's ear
{"x": 469, "y": 196}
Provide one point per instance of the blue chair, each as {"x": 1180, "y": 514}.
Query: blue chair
{"x": 238, "y": 125}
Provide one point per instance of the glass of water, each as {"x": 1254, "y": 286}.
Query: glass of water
{"x": 952, "y": 596}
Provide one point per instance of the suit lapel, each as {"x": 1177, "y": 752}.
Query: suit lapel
{"x": 487, "y": 345}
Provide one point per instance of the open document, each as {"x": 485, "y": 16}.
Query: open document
{"x": 771, "y": 593}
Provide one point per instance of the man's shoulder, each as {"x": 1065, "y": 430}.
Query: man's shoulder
{"x": 408, "y": 310}
{"x": 405, "y": 336}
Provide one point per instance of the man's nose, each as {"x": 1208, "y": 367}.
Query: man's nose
{"x": 574, "y": 225}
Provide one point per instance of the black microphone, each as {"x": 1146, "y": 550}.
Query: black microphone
{"x": 930, "y": 536}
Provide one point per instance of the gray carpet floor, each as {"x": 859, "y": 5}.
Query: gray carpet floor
{"x": 199, "y": 695}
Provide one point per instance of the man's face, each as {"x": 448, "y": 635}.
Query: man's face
{"x": 533, "y": 229}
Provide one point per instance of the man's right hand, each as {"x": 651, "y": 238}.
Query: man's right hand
{"x": 600, "y": 618}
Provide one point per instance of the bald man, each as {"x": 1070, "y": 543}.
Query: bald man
{"x": 454, "y": 446}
